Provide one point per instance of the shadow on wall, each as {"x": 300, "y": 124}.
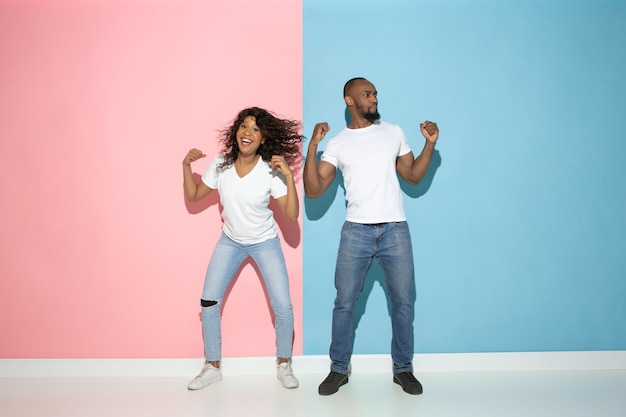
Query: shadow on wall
{"x": 416, "y": 191}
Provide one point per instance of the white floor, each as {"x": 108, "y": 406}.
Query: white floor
{"x": 584, "y": 393}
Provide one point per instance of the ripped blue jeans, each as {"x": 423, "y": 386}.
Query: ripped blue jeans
{"x": 225, "y": 262}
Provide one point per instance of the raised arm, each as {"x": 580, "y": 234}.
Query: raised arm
{"x": 413, "y": 170}
{"x": 193, "y": 190}
{"x": 317, "y": 175}
{"x": 288, "y": 203}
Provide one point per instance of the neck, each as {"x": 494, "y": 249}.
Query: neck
{"x": 243, "y": 160}
{"x": 359, "y": 123}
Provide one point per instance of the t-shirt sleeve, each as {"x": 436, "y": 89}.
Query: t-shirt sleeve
{"x": 404, "y": 144}
{"x": 210, "y": 175}
{"x": 278, "y": 184}
{"x": 329, "y": 154}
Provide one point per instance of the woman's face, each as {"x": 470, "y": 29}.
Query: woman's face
{"x": 249, "y": 137}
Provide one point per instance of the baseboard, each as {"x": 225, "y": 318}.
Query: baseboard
{"x": 315, "y": 364}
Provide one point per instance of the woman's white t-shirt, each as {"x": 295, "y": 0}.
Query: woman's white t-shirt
{"x": 245, "y": 200}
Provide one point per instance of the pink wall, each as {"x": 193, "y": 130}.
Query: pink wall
{"x": 99, "y": 102}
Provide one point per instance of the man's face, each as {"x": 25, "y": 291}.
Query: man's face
{"x": 365, "y": 99}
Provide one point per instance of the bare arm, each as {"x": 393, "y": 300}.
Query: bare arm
{"x": 193, "y": 190}
{"x": 413, "y": 170}
{"x": 317, "y": 175}
{"x": 288, "y": 203}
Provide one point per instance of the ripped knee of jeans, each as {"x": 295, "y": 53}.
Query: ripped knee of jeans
{"x": 207, "y": 303}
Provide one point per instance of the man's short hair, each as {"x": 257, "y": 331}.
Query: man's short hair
{"x": 350, "y": 83}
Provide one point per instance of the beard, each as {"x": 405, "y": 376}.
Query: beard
{"x": 371, "y": 117}
{"x": 368, "y": 115}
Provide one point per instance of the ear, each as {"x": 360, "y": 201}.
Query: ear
{"x": 348, "y": 100}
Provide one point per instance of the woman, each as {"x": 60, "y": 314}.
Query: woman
{"x": 258, "y": 152}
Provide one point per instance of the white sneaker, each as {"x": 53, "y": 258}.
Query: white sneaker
{"x": 206, "y": 377}
{"x": 284, "y": 373}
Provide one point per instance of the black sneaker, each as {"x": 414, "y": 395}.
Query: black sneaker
{"x": 408, "y": 383}
{"x": 332, "y": 383}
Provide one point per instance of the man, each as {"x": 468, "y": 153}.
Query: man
{"x": 370, "y": 153}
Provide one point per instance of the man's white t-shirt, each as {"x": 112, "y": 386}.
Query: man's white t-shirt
{"x": 247, "y": 217}
{"x": 367, "y": 160}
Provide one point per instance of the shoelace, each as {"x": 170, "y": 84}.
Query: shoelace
{"x": 286, "y": 369}
{"x": 334, "y": 376}
{"x": 204, "y": 370}
{"x": 411, "y": 378}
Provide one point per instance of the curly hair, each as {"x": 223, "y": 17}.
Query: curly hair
{"x": 282, "y": 137}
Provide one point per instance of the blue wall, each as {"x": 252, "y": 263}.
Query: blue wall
{"x": 519, "y": 229}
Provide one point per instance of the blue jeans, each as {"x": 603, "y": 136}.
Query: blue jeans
{"x": 390, "y": 243}
{"x": 225, "y": 262}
